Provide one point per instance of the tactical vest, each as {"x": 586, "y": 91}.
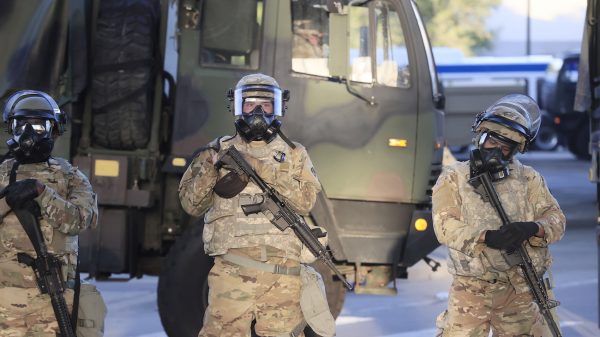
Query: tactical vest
{"x": 225, "y": 224}
{"x": 478, "y": 213}
{"x": 13, "y": 238}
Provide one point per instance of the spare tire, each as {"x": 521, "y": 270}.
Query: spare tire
{"x": 123, "y": 72}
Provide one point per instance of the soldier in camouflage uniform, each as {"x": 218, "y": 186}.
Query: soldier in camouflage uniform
{"x": 255, "y": 276}
{"x": 486, "y": 292}
{"x": 67, "y": 204}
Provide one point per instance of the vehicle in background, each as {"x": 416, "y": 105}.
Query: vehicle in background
{"x": 364, "y": 101}
{"x": 557, "y": 95}
{"x": 471, "y": 84}
{"x": 587, "y": 100}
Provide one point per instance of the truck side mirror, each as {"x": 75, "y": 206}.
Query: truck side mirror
{"x": 338, "y": 45}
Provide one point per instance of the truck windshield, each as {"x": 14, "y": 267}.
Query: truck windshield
{"x": 376, "y": 44}
{"x": 310, "y": 44}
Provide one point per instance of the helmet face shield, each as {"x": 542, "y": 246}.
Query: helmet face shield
{"x": 490, "y": 140}
{"x": 38, "y": 126}
{"x": 514, "y": 116}
{"x": 32, "y": 104}
{"x": 255, "y": 94}
{"x": 257, "y": 101}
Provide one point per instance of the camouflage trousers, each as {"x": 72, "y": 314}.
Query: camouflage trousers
{"x": 24, "y": 312}
{"x": 239, "y": 295}
{"x": 476, "y": 306}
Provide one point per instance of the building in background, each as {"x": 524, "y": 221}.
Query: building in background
{"x": 556, "y": 27}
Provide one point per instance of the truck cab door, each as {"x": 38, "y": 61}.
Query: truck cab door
{"x": 354, "y": 94}
{"x": 220, "y": 41}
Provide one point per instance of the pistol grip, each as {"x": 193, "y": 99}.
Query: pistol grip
{"x": 252, "y": 208}
{"x": 25, "y": 259}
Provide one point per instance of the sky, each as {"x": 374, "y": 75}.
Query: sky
{"x": 551, "y": 20}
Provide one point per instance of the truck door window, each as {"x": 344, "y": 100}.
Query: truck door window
{"x": 391, "y": 55}
{"x": 231, "y": 32}
{"x": 310, "y": 43}
{"x": 359, "y": 45}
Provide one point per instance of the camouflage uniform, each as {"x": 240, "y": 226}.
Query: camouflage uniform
{"x": 239, "y": 294}
{"x": 486, "y": 291}
{"x": 68, "y": 205}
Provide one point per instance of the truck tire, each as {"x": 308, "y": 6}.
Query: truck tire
{"x": 123, "y": 73}
{"x": 546, "y": 139}
{"x": 578, "y": 142}
{"x": 183, "y": 285}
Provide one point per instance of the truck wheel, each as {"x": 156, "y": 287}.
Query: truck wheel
{"x": 546, "y": 140}
{"x": 183, "y": 285}
{"x": 123, "y": 73}
{"x": 578, "y": 142}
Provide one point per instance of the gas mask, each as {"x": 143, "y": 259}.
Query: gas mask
{"x": 32, "y": 141}
{"x": 258, "y": 125}
{"x": 491, "y": 156}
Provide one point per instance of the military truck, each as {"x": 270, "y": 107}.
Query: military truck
{"x": 587, "y": 99}
{"x": 364, "y": 100}
{"x": 557, "y": 94}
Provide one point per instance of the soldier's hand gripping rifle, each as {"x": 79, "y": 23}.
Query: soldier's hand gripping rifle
{"x": 47, "y": 267}
{"x": 274, "y": 207}
{"x": 520, "y": 257}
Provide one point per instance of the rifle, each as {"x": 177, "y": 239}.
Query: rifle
{"x": 519, "y": 257}
{"x": 274, "y": 207}
{"x": 47, "y": 267}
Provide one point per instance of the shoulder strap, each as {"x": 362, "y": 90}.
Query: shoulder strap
{"x": 286, "y": 139}
{"x": 13, "y": 172}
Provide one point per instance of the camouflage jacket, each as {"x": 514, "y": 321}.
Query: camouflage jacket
{"x": 67, "y": 204}
{"x": 225, "y": 225}
{"x": 460, "y": 215}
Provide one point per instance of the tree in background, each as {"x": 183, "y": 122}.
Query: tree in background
{"x": 458, "y": 23}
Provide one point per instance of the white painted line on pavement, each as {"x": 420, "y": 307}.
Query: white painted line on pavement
{"x": 576, "y": 283}
{"x": 417, "y": 333}
{"x": 569, "y": 323}
{"x": 155, "y": 334}
{"x": 345, "y": 320}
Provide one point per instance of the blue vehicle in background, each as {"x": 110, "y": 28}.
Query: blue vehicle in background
{"x": 556, "y": 97}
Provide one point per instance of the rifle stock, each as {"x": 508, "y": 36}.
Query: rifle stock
{"x": 279, "y": 212}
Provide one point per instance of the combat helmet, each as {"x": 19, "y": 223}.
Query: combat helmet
{"x": 258, "y": 124}
{"x": 33, "y": 119}
{"x": 33, "y": 104}
{"x": 515, "y": 117}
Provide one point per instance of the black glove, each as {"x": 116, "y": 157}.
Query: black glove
{"x": 497, "y": 238}
{"x": 521, "y": 231}
{"x": 20, "y": 192}
{"x": 510, "y": 237}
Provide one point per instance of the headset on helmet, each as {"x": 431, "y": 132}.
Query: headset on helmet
{"x": 26, "y": 103}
